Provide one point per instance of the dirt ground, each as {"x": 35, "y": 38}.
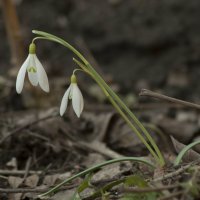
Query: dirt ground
{"x": 134, "y": 45}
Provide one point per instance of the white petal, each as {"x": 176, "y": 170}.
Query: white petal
{"x": 33, "y": 77}
{"x": 42, "y": 76}
{"x": 64, "y": 101}
{"x": 21, "y": 75}
{"x": 77, "y": 100}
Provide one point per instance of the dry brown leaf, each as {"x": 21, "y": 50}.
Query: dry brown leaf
{"x": 64, "y": 195}
{"x": 12, "y": 164}
{"x": 50, "y": 180}
{"x": 33, "y": 195}
{"x": 15, "y": 182}
{"x": 182, "y": 131}
{"x": 32, "y": 181}
{"x": 191, "y": 155}
{"x": 16, "y": 196}
{"x": 112, "y": 171}
{"x": 93, "y": 159}
{"x": 65, "y": 176}
{"x": 121, "y": 137}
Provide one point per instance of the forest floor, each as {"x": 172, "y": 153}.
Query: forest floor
{"x": 133, "y": 45}
{"x": 39, "y": 149}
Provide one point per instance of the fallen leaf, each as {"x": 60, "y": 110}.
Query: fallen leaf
{"x": 16, "y": 196}
{"x": 191, "y": 155}
{"x": 111, "y": 171}
{"x": 12, "y": 164}
{"x": 32, "y": 181}
{"x": 182, "y": 131}
{"x": 15, "y": 182}
{"x": 50, "y": 180}
{"x": 64, "y": 195}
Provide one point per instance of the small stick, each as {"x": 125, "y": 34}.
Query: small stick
{"x": 13, "y": 31}
{"x": 31, "y": 190}
{"x": 18, "y": 172}
{"x": 149, "y": 93}
{"x": 181, "y": 170}
{"x": 27, "y": 168}
{"x": 146, "y": 190}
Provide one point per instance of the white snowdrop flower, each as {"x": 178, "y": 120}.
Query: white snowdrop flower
{"x": 73, "y": 93}
{"x": 36, "y": 72}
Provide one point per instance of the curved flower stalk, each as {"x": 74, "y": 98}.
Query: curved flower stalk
{"x": 115, "y": 100}
{"x": 73, "y": 93}
{"x": 36, "y": 72}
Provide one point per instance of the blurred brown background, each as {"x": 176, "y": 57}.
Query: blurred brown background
{"x": 139, "y": 43}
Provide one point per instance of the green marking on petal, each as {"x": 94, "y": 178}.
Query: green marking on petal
{"x": 32, "y": 69}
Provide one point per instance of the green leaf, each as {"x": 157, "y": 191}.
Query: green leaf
{"x": 76, "y": 196}
{"x": 146, "y": 196}
{"x": 136, "y": 180}
{"x": 192, "y": 187}
{"x": 105, "y": 195}
{"x": 85, "y": 184}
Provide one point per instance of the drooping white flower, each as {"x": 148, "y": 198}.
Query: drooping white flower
{"x": 36, "y": 72}
{"x": 73, "y": 93}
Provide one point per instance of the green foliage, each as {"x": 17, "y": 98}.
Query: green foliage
{"x": 117, "y": 103}
{"x": 85, "y": 184}
{"x": 76, "y": 196}
{"x": 139, "y": 181}
{"x": 105, "y": 196}
{"x": 136, "y": 180}
{"x": 143, "y": 196}
{"x": 192, "y": 187}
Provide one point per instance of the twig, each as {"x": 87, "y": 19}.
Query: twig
{"x": 13, "y": 31}
{"x": 37, "y": 190}
{"x": 27, "y": 169}
{"x": 101, "y": 148}
{"x": 149, "y": 93}
{"x": 18, "y": 172}
{"x": 177, "y": 172}
{"x": 3, "y": 177}
{"x": 96, "y": 146}
{"x": 145, "y": 190}
{"x": 27, "y": 126}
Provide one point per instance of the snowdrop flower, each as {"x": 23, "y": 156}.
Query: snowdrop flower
{"x": 36, "y": 72}
{"x": 75, "y": 95}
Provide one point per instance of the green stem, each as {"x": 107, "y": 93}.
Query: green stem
{"x": 128, "y": 111}
{"x": 94, "y": 168}
{"x": 62, "y": 42}
{"x": 133, "y": 128}
{"x": 123, "y": 115}
{"x": 109, "y": 90}
{"x": 103, "y": 85}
